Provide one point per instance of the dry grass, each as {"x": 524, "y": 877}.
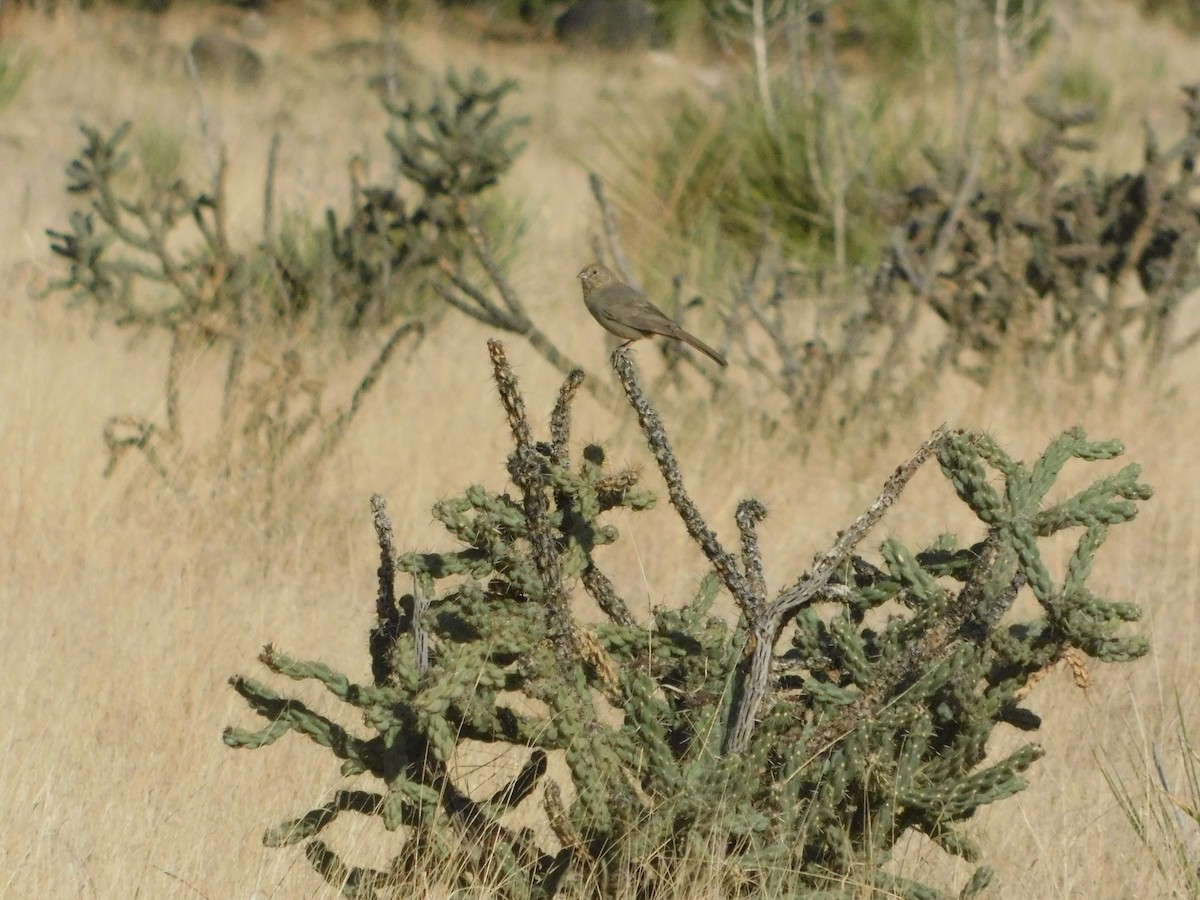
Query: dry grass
{"x": 124, "y": 606}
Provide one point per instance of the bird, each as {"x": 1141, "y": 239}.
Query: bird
{"x": 623, "y": 311}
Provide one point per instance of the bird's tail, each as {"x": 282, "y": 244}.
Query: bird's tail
{"x": 702, "y": 347}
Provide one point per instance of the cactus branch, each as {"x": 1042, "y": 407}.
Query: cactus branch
{"x": 387, "y": 614}
{"x": 612, "y": 235}
{"x": 656, "y": 437}
{"x": 560, "y": 418}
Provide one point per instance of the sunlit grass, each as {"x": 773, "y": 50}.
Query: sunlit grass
{"x": 125, "y": 605}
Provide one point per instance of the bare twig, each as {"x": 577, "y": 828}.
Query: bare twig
{"x": 268, "y": 234}
{"x": 761, "y": 65}
{"x": 483, "y": 252}
{"x": 766, "y": 624}
{"x": 613, "y": 237}
{"x": 337, "y": 428}
{"x": 211, "y": 144}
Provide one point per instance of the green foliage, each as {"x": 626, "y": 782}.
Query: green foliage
{"x": 1184, "y": 14}
{"x": 815, "y": 174}
{"x": 781, "y": 752}
{"x": 904, "y": 36}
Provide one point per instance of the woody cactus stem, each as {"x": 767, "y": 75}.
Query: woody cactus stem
{"x": 526, "y": 468}
{"x": 748, "y": 586}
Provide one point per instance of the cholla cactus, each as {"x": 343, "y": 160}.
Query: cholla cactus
{"x": 154, "y": 252}
{"x": 795, "y": 745}
{"x": 1091, "y": 271}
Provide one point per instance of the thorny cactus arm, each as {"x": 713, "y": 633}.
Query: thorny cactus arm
{"x": 749, "y": 514}
{"x": 811, "y": 587}
{"x": 560, "y": 418}
{"x": 525, "y": 467}
{"x": 387, "y": 613}
{"x": 749, "y": 588}
{"x": 589, "y": 750}
{"x": 656, "y": 437}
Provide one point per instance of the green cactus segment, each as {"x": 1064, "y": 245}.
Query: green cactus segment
{"x": 980, "y": 881}
{"x": 962, "y": 464}
{"x": 911, "y": 575}
{"x": 292, "y": 715}
{"x": 296, "y": 830}
{"x": 883, "y": 691}
{"x": 649, "y": 716}
{"x": 1109, "y": 501}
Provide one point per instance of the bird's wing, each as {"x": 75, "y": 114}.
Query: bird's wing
{"x": 653, "y": 321}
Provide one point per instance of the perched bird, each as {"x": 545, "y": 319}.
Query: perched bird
{"x": 627, "y": 314}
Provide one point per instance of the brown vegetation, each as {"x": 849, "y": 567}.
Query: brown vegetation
{"x": 125, "y": 605}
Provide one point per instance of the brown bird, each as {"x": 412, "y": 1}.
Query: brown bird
{"x": 627, "y": 314}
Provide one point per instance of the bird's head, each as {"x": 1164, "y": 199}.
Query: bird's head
{"x": 594, "y": 277}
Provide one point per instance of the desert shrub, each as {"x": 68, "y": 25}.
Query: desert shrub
{"x": 1043, "y": 262}
{"x": 781, "y": 752}
{"x": 152, "y": 252}
{"x": 792, "y": 141}
{"x": 816, "y": 170}
{"x": 1021, "y": 259}
{"x": 721, "y": 167}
